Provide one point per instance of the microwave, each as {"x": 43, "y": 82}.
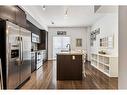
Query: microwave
{"x": 35, "y": 38}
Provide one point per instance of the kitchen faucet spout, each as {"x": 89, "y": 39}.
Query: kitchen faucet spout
{"x": 68, "y": 45}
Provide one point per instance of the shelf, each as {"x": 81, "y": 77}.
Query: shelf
{"x": 101, "y": 66}
{"x": 94, "y": 66}
{"x": 99, "y": 62}
{"x": 94, "y": 63}
{"x": 94, "y": 59}
{"x": 106, "y": 69}
{"x": 104, "y": 72}
{"x": 106, "y": 64}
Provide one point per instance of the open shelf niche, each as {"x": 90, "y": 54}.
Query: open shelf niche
{"x": 106, "y": 64}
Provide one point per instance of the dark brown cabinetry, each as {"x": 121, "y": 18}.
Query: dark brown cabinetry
{"x": 77, "y": 67}
{"x": 69, "y": 67}
{"x": 43, "y": 40}
{"x": 13, "y": 14}
{"x": 43, "y": 37}
{"x": 33, "y": 28}
{"x": 20, "y": 17}
{"x": 33, "y": 63}
{"x": 43, "y": 45}
{"x": 8, "y": 13}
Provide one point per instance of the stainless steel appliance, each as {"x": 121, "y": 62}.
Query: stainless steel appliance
{"x": 35, "y": 38}
{"x": 1, "y": 77}
{"x": 15, "y": 54}
{"x": 44, "y": 54}
{"x": 33, "y": 63}
{"x": 39, "y": 61}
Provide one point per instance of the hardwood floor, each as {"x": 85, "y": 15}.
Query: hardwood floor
{"x": 45, "y": 78}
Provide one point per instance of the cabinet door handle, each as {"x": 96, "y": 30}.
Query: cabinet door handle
{"x": 73, "y": 57}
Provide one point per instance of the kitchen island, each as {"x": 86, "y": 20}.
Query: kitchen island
{"x": 69, "y": 66}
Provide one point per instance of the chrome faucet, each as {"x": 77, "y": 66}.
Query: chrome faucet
{"x": 68, "y": 45}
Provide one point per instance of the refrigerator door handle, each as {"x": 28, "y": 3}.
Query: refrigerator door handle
{"x": 20, "y": 43}
{"x": 18, "y": 60}
{"x": 1, "y": 76}
{"x": 21, "y": 50}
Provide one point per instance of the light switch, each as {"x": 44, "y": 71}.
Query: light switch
{"x": 73, "y": 57}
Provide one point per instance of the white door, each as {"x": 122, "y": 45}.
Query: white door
{"x": 60, "y": 43}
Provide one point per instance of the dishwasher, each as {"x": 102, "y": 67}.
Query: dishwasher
{"x": 39, "y": 62}
{"x": 33, "y": 62}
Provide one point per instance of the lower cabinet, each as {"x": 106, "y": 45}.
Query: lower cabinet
{"x": 107, "y": 64}
{"x": 33, "y": 63}
{"x": 69, "y": 67}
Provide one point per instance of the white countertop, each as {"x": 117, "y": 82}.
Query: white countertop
{"x": 70, "y": 53}
{"x": 38, "y": 50}
{"x": 105, "y": 55}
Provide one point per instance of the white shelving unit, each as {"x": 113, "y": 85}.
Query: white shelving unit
{"x": 106, "y": 64}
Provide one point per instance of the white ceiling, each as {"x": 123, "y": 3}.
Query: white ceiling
{"x": 77, "y": 16}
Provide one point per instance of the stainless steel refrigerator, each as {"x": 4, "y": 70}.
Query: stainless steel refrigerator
{"x": 15, "y": 53}
{"x": 1, "y": 77}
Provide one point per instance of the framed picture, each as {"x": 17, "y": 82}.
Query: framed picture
{"x": 61, "y": 33}
{"x": 107, "y": 42}
{"x": 111, "y": 42}
{"x": 78, "y": 42}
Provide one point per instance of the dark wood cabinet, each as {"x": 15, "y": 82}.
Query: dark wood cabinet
{"x": 31, "y": 27}
{"x": 43, "y": 36}
{"x": 69, "y": 68}
{"x": 20, "y": 17}
{"x": 77, "y": 67}
{"x": 63, "y": 67}
{"x": 43, "y": 45}
{"x": 43, "y": 40}
{"x": 33, "y": 63}
{"x": 13, "y": 14}
{"x": 8, "y": 13}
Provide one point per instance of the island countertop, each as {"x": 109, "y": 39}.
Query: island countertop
{"x": 70, "y": 53}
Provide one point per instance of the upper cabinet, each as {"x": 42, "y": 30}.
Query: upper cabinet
{"x": 20, "y": 17}
{"x": 33, "y": 28}
{"x": 7, "y": 13}
{"x": 13, "y": 14}
{"x": 43, "y": 40}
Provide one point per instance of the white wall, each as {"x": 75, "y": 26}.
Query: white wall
{"x": 108, "y": 27}
{"x": 88, "y": 49}
{"x": 73, "y": 32}
{"x": 122, "y": 47}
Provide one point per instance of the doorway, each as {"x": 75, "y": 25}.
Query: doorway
{"x": 59, "y": 44}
